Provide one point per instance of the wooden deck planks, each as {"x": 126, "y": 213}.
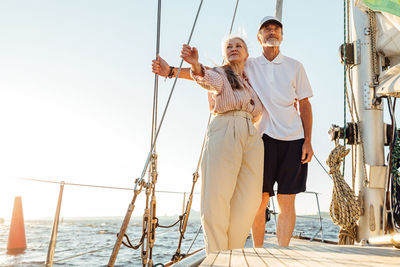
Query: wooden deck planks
{"x": 331, "y": 257}
{"x": 280, "y": 254}
{"x": 209, "y": 260}
{"x": 252, "y": 258}
{"x": 308, "y": 259}
{"x": 357, "y": 255}
{"x": 238, "y": 258}
{"x": 365, "y": 256}
{"x": 305, "y": 253}
{"x": 269, "y": 258}
{"x": 319, "y": 255}
{"x": 223, "y": 258}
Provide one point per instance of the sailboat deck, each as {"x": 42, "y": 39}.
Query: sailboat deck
{"x": 305, "y": 253}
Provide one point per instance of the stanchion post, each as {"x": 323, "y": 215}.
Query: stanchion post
{"x": 183, "y": 204}
{"x": 53, "y": 238}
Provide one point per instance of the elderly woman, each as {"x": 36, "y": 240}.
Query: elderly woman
{"x": 232, "y": 165}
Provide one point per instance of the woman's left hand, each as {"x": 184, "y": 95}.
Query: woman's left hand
{"x": 190, "y": 54}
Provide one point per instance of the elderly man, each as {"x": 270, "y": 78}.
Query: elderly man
{"x": 281, "y": 83}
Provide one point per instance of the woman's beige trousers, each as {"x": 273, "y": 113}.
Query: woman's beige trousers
{"x": 232, "y": 170}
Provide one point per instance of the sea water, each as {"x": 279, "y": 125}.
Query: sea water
{"x": 89, "y": 241}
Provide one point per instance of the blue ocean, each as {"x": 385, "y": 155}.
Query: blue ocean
{"x": 89, "y": 241}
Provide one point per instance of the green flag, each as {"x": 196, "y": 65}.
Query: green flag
{"x": 390, "y": 6}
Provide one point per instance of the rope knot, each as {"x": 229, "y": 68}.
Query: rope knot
{"x": 344, "y": 209}
{"x": 336, "y": 157}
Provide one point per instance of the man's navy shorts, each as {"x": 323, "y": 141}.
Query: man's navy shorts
{"x": 282, "y": 164}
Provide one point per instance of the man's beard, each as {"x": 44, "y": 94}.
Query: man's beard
{"x": 271, "y": 42}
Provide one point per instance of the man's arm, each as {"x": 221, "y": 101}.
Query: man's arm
{"x": 306, "y": 119}
{"x": 161, "y": 67}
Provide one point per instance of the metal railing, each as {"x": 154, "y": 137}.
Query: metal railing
{"x": 53, "y": 239}
{"x": 56, "y": 220}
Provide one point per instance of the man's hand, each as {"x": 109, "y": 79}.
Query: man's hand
{"x": 306, "y": 119}
{"x": 307, "y": 152}
{"x": 160, "y": 67}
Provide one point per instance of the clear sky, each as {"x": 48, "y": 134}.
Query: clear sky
{"x": 76, "y": 93}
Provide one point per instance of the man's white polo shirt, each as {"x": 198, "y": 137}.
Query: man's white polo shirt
{"x": 278, "y": 84}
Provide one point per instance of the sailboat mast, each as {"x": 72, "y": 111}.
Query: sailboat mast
{"x": 371, "y": 170}
{"x": 278, "y": 9}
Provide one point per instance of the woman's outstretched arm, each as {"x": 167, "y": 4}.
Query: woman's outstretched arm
{"x": 208, "y": 79}
{"x": 162, "y": 68}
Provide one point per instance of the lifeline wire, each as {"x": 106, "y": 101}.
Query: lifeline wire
{"x": 322, "y": 166}
{"x": 97, "y": 186}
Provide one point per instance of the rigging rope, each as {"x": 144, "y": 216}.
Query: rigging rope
{"x": 171, "y": 225}
{"x": 149, "y": 217}
{"x": 344, "y": 208}
{"x": 352, "y": 106}
{"x": 353, "y": 110}
{"x": 234, "y": 16}
{"x": 345, "y": 18}
{"x": 149, "y": 225}
{"x": 129, "y": 245}
{"x": 155, "y": 94}
{"x": 322, "y": 166}
{"x": 170, "y": 96}
{"x": 357, "y": 132}
{"x": 194, "y": 239}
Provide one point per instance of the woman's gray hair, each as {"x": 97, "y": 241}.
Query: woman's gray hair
{"x": 226, "y": 41}
{"x": 226, "y": 66}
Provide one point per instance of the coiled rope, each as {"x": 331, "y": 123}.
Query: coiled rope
{"x": 395, "y": 190}
{"x": 344, "y": 208}
{"x": 394, "y": 165}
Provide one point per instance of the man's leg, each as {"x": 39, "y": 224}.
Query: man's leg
{"x": 286, "y": 218}
{"x": 258, "y": 228}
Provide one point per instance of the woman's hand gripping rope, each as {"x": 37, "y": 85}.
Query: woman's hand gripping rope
{"x": 160, "y": 66}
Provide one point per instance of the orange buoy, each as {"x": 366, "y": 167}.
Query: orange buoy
{"x": 16, "y": 238}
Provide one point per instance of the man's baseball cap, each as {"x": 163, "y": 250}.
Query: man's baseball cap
{"x": 268, "y": 19}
